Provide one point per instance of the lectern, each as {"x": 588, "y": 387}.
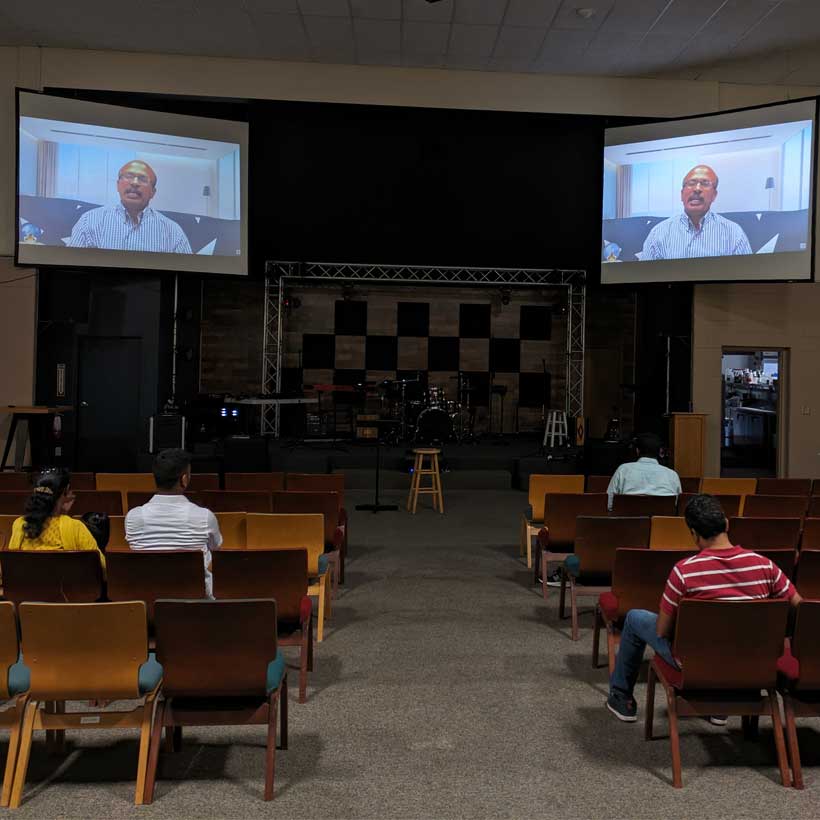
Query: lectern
{"x": 687, "y": 437}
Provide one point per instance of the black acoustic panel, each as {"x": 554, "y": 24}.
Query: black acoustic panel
{"x": 443, "y": 353}
{"x": 474, "y": 321}
{"x": 478, "y": 394}
{"x": 351, "y": 318}
{"x": 536, "y": 322}
{"x": 349, "y": 377}
{"x": 505, "y": 355}
{"x": 413, "y": 319}
{"x": 291, "y": 379}
{"x": 318, "y": 351}
{"x": 534, "y": 389}
{"x": 381, "y": 352}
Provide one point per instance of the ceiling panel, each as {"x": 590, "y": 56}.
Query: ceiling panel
{"x": 632, "y": 16}
{"x": 464, "y": 63}
{"x": 513, "y": 64}
{"x": 433, "y": 12}
{"x": 278, "y": 31}
{"x": 567, "y": 16}
{"x": 473, "y": 41}
{"x": 424, "y": 38}
{"x": 518, "y": 42}
{"x": 378, "y": 35}
{"x": 685, "y": 19}
{"x": 325, "y": 8}
{"x": 567, "y": 41}
{"x": 421, "y": 60}
{"x": 480, "y": 12}
{"x": 531, "y": 12}
{"x": 330, "y": 33}
{"x": 377, "y": 9}
{"x": 272, "y": 6}
{"x": 382, "y": 58}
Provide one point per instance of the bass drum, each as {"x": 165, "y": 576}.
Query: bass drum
{"x": 433, "y": 426}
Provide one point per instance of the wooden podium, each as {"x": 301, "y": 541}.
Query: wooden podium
{"x": 687, "y": 437}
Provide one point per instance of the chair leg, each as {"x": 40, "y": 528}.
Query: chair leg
{"x": 749, "y": 724}
{"x": 148, "y": 717}
{"x": 573, "y": 608}
{"x": 611, "y": 650}
{"x": 596, "y": 637}
{"x": 14, "y": 746}
{"x": 562, "y": 599}
{"x": 303, "y": 663}
{"x": 649, "y": 716}
{"x": 522, "y": 537}
{"x": 270, "y": 751}
{"x": 310, "y": 643}
{"x": 320, "y": 620}
{"x": 173, "y": 738}
{"x": 674, "y": 738}
{"x": 440, "y": 492}
{"x": 779, "y": 745}
{"x": 153, "y": 754}
{"x": 59, "y": 734}
{"x": 283, "y": 714}
{"x": 528, "y": 545}
{"x": 23, "y": 754}
{"x": 791, "y": 738}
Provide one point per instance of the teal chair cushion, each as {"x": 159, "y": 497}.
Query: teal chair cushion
{"x": 324, "y": 560}
{"x": 19, "y": 678}
{"x": 276, "y": 671}
{"x": 150, "y": 674}
{"x": 572, "y": 564}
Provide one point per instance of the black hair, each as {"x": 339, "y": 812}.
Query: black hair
{"x": 705, "y": 516}
{"x": 169, "y": 466}
{"x": 40, "y": 505}
{"x": 648, "y": 444}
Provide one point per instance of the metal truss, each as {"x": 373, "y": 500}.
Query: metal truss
{"x": 277, "y": 274}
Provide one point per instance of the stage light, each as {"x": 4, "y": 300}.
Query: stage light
{"x": 506, "y": 293}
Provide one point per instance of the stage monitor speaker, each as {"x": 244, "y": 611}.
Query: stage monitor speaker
{"x": 165, "y": 431}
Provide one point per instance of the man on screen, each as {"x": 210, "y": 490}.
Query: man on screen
{"x": 698, "y": 231}
{"x": 133, "y": 225}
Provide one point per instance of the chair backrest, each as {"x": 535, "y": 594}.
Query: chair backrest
{"x": 732, "y": 504}
{"x": 808, "y": 574}
{"x": 100, "y": 501}
{"x": 814, "y": 507}
{"x": 597, "y": 538}
{"x": 765, "y": 533}
{"x": 234, "y": 530}
{"x": 597, "y": 483}
{"x": 143, "y": 575}
{"x": 310, "y": 502}
{"x": 690, "y": 484}
{"x": 83, "y": 481}
{"x": 58, "y": 576}
{"x": 12, "y": 502}
{"x": 775, "y": 506}
{"x": 136, "y": 498}
{"x": 561, "y": 511}
{"x": 317, "y": 482}
{"x": 783, "y": 558}
{"x": 632, "y": 505}
{"x": 15, "y": 481}
{"x": 6, "y": 525}
{"x": 255, "y": 482}
{"x": 125, "y": 482}
{"x": 204, "y": 481}
{"x": 78, "y": 651}
{"x": 810, "y": 539}
{"x": 236, "y": 501}
{"x": 669, "y": 532}
{"x": 639, "y": 576}
{"x": 541, "y": 485}
{"x": 805, "y": 646}
{"x": 730, "y": 644}
{"x": 728, "y": 486}
{"x": 215, "y": 648}
{"x": 289, "y": 532}
{"x": 278, "y": 574}
{"x": 784, "y": 486}
{"x": 9, "y": 645}
{"x": 815, "y": 486}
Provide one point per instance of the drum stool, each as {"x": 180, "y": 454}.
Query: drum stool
{"x": 419, "y": 470}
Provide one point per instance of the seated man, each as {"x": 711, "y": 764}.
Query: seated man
{"x": 735, "y": 574}
{"x": 644, "y": 476}
{"x": 169, "y": 521}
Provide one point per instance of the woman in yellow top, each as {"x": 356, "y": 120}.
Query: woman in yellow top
{"x": 45, "y": 524}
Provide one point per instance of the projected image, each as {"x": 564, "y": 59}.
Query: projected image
{"x": 97, "y": 187}
{"x": 719, "y": 194}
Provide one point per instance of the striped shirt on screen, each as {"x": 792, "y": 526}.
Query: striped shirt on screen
{"x": 112, "y": 228}
{"x": 677, "y": 238}
{"x": 732, "y": 574}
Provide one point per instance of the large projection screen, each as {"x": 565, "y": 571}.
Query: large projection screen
{"x": 723, "y": 197}
{"x": 118, "y": 187}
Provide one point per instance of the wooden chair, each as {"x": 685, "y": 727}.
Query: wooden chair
{"x": 539, "y": 487}
{"x": 775, "y": 506}
{"x": 101, "y": 501}
{"x": 295, "y": 501}
{"x": 728, "y": 652}
{"x": 642, "y": 505}
{"x": 597, "y": 483}
{"x": 56, "y": 576}
{"x": 83, "y": 482}
{"x": 596, "y": 539}
{"x": 425, "y": 464}
{"x": 690, "y": 484}
{"x": 19, "y": 482}
{"x": 136, "y": 498}
{"x": 638, "y": 580}
{"x": 815, "y": 486}
{"x": 145, "y": 575}
{"x": 204, "y": 481}
{"x": 799, "y": 678}
{"x": 289, "y": 532}
{"x": 732, "y": 504}
{"x": 783, "y": 558}
{"x": 6, "y": 525}
{"x": 784, "y": 486}
{"x": 116, "y": 538}
{"x": 221, "y": 667}
{"x": 317, "y": 482}
{"x": 765, "y": 533}
{"x": 283, "y": 576}
{"x": 236, "y": 501}
{"x": 809, "y": 538}
{"x": 233, "y": 527}
{"x": 728, "y": 486}
{"x": 808, "y": 573}
{"x": 14, "y": 684}
{"x": 814, "y": 507}
{"x": 125, "y": 483}
{"x": 82, "y": 652}
{"x": 556, "y": 538}
{"x": 254, "y": 482}
{"x": 13, "y": 502}
{"x": 669, "y": 532}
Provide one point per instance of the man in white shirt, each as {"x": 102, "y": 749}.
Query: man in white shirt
{"x": 644, "y": 476}
{"x": 169, "y": 521}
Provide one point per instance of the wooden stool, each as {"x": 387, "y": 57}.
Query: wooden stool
{"x": 556, "y": 428}
{"x": 416, "y": 488}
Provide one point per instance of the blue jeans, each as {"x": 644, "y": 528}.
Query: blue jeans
{"x": 639, "y": 630}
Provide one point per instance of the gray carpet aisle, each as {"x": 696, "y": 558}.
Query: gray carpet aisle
{"x": 445, "y": 688}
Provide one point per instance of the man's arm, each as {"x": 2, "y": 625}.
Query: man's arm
{"x": 651, "y": 246}
{"x": 181, "y": 243}
{"x": 666, "y": 624}
{"x": 614, "y": 487}
{"x": 742, "y": 246}
{"x": 80, "y": 235}
{"x": 214, "y": 535}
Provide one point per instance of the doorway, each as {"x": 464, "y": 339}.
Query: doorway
{"x": 751, "y": 383}
{"x": 108, "y": 403}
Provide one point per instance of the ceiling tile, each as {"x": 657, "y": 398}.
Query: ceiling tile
{"x": 272, "y": 6}
{"x": 635, "y": 15}
{"x": 771, "y": 68}
{"x": 567, "y": 41}
{"x": 472, "y": 41}
{"x": 378, "y": 58}
{"x": 378, "y": 35}
{"x": 531, "y": 12}
{"x": 423, "y": 60}
{"x": 329, "y": 33}
{"x": 425, "y": 38}
{"x": 518, "y": 42}
{"x": 434, "y": 12}
{"x": 377, "y": 9}
{"x": 685, "y": 19}
{"x": 567, "y": 18}
{"x": 325, "y": 8}
{"x": 480, "y": 12}
{"x": 516, "y": 65}
{"x": 282, "y": 36}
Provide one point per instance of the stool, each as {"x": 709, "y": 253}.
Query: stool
{"x": 416, "y": 488}
{"x": 556, "y": 428}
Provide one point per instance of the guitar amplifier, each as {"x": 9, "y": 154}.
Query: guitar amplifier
{"x": 165, "y": 431}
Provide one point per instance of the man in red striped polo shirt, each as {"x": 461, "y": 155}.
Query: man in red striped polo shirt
{"x": 719, "y": 572}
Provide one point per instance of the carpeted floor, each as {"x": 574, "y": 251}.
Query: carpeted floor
{"x": 445, "y": 688}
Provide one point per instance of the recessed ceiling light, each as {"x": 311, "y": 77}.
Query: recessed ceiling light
{"x": 586, "y": 13}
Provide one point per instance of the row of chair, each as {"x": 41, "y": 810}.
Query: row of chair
{"x": 713, "y": 486}
{"x": 219, "y": 664}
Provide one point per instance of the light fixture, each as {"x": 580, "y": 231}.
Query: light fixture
{"x": 586, "y": 13}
